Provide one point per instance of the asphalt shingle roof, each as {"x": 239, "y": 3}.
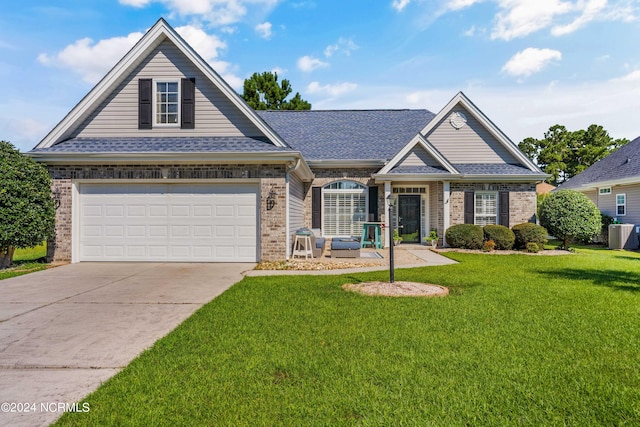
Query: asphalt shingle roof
{"x": 621, "y": 164}
{"x": 415, "y": 170}
{"x": 468, "y": 169}
{"x": 163, "y": 144}
{"x": 492, "y": 169}
{"x": 348, "y": 134}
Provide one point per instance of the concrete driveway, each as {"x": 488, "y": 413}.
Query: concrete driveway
{"x": 65, "y": 330}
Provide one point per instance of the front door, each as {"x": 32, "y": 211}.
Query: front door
{"x": 409, "y": 218}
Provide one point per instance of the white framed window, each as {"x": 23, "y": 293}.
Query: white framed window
{"x": 344, "y": 208}
{"x": 166, "y": 108}
{"x": 486, "y": 208}
{"x": 621, "y": 204}
{"x": 605, "y": 190}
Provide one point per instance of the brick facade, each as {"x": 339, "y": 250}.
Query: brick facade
{"x": 272, "y": 231}
{"x": 272, "y": 219}
{"x": 522, "y": 200}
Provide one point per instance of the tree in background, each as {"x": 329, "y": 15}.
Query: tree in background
{"x": 563, "y": 154}
{"x": 263, "y": 92}
{"x": 568, "y": 214}
{"x": 27, "y": 211}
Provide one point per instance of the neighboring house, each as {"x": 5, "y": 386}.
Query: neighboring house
{"x": 613, "y": 183}
{"x": 544, "y": 188}
{"x": 163, "y": 161}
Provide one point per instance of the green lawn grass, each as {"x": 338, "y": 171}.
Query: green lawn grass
{"x": 26, "y": 261}
{"x": 521, "y": 340}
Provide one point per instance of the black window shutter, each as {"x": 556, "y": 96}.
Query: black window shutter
{"x": 503, "y": 200}
{"x": 469, "y": 207}
{"x": 188, "y": 118}
{"x": 316, "y": 207}
{"x": 145, "y": 110}
{"x": 373, "y": 203}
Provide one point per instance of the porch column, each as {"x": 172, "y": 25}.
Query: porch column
{"x": 446, "y": 221}
{"x": 387, "y": 217}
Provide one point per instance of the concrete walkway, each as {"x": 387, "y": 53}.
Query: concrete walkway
{"x": 426, "y": 257}
{"x": 65, "y": 330}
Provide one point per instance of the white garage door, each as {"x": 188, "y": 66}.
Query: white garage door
{"x": 168, "y": 222}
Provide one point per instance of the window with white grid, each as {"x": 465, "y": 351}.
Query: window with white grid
{"x": 486, "y": 208}
{"x": 621, "y": 204}
{"x": 344, "y": 208}
{"x": 167, "y": 103}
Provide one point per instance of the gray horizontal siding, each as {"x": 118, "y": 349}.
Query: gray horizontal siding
{"x": 607, "y": 203}
{"x": 418, "y": 157}
{"x": 215, "y": 115}
{"x": 470, "y": 144}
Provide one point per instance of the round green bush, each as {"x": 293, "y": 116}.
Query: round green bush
{"x": 533, "y": 247}
{"x": 501, "y": 235}
{"x": 529, "y": 233}
{"x": 465, "y": 236}
{"x": 568, "y": 214}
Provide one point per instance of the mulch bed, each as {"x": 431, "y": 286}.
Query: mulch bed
{"x": 397, "y": 289}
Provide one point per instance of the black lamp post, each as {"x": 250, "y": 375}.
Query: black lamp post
{"x": 392, "y": 206}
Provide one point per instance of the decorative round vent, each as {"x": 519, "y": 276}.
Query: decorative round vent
{"x": 458, "y": 120}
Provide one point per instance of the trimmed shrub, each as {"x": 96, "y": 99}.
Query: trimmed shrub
{"x": 502, "y": 236}
{"x": 568, "y": 214}
{"x": 529, "y": 233}
{"x": 488, "y": 246}
{"x": 465, "y": 236}
{"x": 606, "y": 221}
{"x": 533, "y": 247}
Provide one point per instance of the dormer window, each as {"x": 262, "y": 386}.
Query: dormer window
{"x": 167, "y": 105}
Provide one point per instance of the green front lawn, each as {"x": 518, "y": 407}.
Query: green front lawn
{"x": 26, "y": 261}
{"x": 522, "y": 340}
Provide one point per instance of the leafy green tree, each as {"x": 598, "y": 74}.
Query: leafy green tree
{"x": 569, "y": 214}
{"x": 263, "y": 92}
{"x": 563, "y": 154}
{"x": 27, "y": 211}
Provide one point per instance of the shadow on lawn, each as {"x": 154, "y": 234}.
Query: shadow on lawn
{"x": 615, "y": 279}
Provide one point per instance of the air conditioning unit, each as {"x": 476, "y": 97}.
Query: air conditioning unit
{"x": 623, "y": 236}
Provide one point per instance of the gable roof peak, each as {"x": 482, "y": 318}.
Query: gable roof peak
{"x": 158, "y": 33}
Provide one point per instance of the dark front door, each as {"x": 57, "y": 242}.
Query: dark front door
{"x": 409, "y": 218}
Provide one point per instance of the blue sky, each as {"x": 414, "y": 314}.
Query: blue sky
{"x": 527, "y": 64}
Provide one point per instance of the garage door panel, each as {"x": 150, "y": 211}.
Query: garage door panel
{"x": 168, "y": 222}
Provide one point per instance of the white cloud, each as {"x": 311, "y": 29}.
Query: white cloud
{"x": 530, "y": 61}
{"x": 279, "y": 71}
{"x": 633, "y": 76}
{"x": 309, "y": 63}
{"x": 460, "y": 4}
{"x": 344, "y": 46}
{"x": 520, "y": 111}
{"x": 399, "y": 5}
{"x": 332, "y": 90}
{"x": 591, "y": 11}
{"x": 215, "y": 12}
{"x": 264, "y": 30}
{"x": 519, "y": 18}
{"x": 135, "y": 3}
{"x": 93, "y": 60}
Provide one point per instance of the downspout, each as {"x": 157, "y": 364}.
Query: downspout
{"x": 288, "y": 169}
{"x": 387, "y": 216}
{"x": 446, "y": 211}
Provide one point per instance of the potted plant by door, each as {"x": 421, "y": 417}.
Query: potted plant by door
{"x": 397, "y": 238}
{"x": 432, "y": 239}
